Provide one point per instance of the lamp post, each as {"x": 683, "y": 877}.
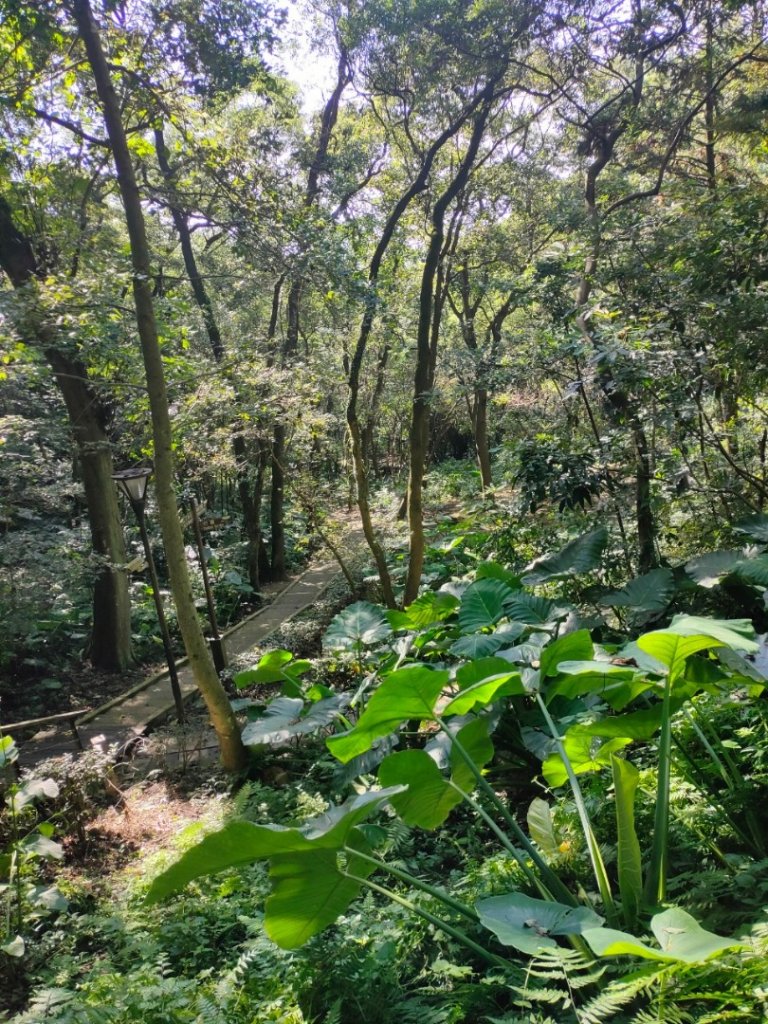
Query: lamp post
{"x": 133, "y": 484}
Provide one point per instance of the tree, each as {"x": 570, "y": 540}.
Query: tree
{"x": 233, "y": 753}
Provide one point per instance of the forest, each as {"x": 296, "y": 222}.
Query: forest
{"x": 457, "y": 312}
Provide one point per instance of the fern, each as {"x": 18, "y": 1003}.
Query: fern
{"x": 617, "y": 996}
{"x": 333, "y": 1016}
{"x": 569, "y": 967}
{"x": 419, "y": 1011}
{"x": 209, "y": 1012}
{"x": 398, "y": 837}
{"x": 672, "y": 1015}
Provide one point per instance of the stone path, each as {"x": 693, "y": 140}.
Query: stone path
{"x": 131, "y": 714}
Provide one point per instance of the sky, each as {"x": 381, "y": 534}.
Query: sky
{"x": 312, "y": 71}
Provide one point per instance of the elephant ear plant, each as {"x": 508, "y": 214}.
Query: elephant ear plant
{"x": 26, "y": 842}
{"x": 440, "y": 704}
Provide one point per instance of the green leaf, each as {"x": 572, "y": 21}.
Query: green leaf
{"x": 275, "y": 667}
{"x": 579, "y": 556}
{"x": 427, "y": 609}
{"x": 541, "y": 827}
{"x": 474, "y": 741}
{"x": 680, "y": 936}
{"x": 574, "y": 646}
{"x": 14, "y": 948}
{"x": 410, "y": 693}
{"x": 629, "y": 864}
{"x": 527, "y": 652}
{"x": 673, "y": 650}
{"x": 42, "y": 846}
{"x": 33, "y": 789}
{"x": 483, "y": 604}
{"x": 738, "y": 634}
{"x": 707, "y": 570}
{"x": 480, "y": 645}
{"x": 429, "y": 798}
{"x": 481, "y": 681}
{"x": 361, "y": 624}
{"x": 527, "y": 924}
{"x": 479, "y": 695}
{"x": 477, "y": 645}
{"x": 614, "y": 683}
{"x": 310, "y": 891}
{"x": 289, "y": 717}
{"x": 296, "y": 910}
{"x": 533, "y": 610}
{"x": 754, "y": 570}
{"x": 755, "y": 527}
{"x": 612, "y": 942}
{"x": 48, "y": 897}
{"x": 583, "y": 752}
{"x": 636, "y": 725}
{"x": 494, "y": 571}
{"x": 9, "y": 752}
{"x": 651, "y": 592}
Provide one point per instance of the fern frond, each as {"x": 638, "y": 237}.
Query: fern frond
{"x": 617, "y": 996}
{"x": 545, "y": 996}
{"x": 398, "y": 836}
{"x": 585, "y": 980}
{"x": 209, "y": 1012}
{"x": 672, "y": 1015}
{"x": 333, "y": 1016}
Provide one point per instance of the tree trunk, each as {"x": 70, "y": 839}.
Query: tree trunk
{"x": 417, "y": 185}
{"x": 369, "y": 431}
{"x": 646, "y": 528}
{"x": 181, "y": 223}
{"x": 251, "y": 493}
{"x": 110, "y": 642}
{"x": 277, "y": 502}
{"x": 250, "y": 499}
{"x": 233, "y": 753}
{"x": 480, "y": 429}
{"x": 425, "y": 355}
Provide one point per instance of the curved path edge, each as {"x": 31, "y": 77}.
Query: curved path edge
{"x": 132, "y": 713}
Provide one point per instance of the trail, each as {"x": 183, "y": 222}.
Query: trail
{"x": 133, "y": 713}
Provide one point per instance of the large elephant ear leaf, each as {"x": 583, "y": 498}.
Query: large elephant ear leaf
{"x": 361, "y": 624}
{"x": 289, "y": 717}
{"x": 681, "y": 937}
{"x": 527, "y": 924}
{"x": 650, "y": 592}
{"x": 409, "y": 693}
{"x": 483, "y": 603}
{"x": 581, "y": 555}
{"x": 429, "y": 798}
{"x": 309, "y": 891}
{"x": 275, "y": 667}
{"x": 707, "y": 570}
{"x": 755, "y": 527}
{"x": 309, "y": 866}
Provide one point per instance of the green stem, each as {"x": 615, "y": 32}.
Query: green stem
{"x": 696, "y": 777}
{"x": 656, "y": 882}
{"x": 438, "y": 922}
{"x": 731, "y": 775}
{"x": 598, "y": 867}
{"x": 412, "y": 880}
{"x": 552, "y": 886}
{"x": 716, "y": 760}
